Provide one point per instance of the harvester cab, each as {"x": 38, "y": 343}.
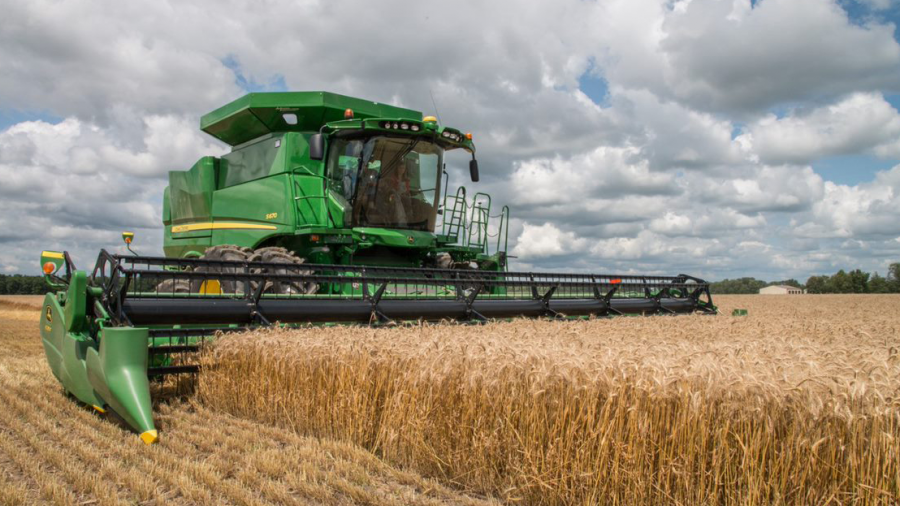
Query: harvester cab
{"x": 328, "y": 209}
{"x": 330, "y": 179}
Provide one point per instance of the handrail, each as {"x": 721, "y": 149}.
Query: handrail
{"x": 503, "y": 230}
{"x": 480, "y": 218}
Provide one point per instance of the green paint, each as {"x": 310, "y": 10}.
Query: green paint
{"x": 101, "y": 367}
{"x": 118, "y": 373}
{"x": 257, "y": 114}
{"x": 268, "y": 191}
{"x": 66, "y": 351}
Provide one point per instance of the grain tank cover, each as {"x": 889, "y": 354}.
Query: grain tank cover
{"x": 257, "y": 114}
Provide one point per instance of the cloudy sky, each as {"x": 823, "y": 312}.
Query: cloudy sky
{"x": 720, "y": 138}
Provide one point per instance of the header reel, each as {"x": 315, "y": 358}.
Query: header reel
{"x": 107, "y": 334}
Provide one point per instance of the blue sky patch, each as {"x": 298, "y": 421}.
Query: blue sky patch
{"x": 9, "y": 117}
{"x": 592, "y": 84}
{"x": 861, "y": 13}
{"x": 851, "y": 169}
{"x": 276, "y": 81}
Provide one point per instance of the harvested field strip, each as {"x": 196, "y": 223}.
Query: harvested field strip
{"x": 356, "y": 469}
{"x": 51, "y": 488}
{"x": 796, "y": 404}
{"x": 81, "y": 427}
{"x": 13, "y": 489}
{"x": 77, "y": 465}
{"x": 54, "y": 451}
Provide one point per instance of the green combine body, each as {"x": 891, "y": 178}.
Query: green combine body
{"x": 328, "y": 209}
{"x": 374, "y": 198}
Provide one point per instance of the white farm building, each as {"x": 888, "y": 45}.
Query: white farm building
{"x": 781, "y": 290}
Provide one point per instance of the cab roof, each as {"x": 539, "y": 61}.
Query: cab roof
{"x": 257, "y": 114}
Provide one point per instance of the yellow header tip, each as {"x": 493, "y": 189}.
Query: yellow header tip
{"x": 150, "y": 437}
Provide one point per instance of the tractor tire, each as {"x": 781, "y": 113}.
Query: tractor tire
{"x": 173, "y": 286}
{"x": 224, "y": 252}
{"x": 278, "y": 255}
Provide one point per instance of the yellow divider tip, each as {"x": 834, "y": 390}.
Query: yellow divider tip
{"x": 150, "y": 437}
{"x": 99, "y": 409}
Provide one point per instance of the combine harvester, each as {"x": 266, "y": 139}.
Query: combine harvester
{"x": 326, "y": 210}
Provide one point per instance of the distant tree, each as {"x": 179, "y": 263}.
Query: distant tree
{"x": 737, "y": 286}
{"x": 787, "y": 282}
{"x": 22, "y": 285}
{"x": 817, "y": 284}
{"x": 859, "y": 281}
{"x": 839, "y": 283}
{"x": 878, "y": 284}
{"x": 893, "y": 278}
{"x": 12, "y": 285}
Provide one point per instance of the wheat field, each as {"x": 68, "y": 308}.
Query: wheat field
{"x": 797, "y": 403}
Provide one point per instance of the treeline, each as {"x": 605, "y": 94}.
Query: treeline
{"x": 855, "y": 281}
{"x": 22, "y": 285}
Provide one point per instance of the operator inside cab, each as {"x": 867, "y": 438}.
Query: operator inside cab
{"x": 394, "y": 193}
{"x": 387, "y": 182}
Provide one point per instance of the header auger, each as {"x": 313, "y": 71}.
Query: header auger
{"x": 328, "y": 209}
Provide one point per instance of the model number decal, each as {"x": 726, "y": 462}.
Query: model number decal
{"x": 271, "y": 216}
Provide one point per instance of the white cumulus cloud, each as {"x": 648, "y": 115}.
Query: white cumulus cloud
{"x": 693, "y": 151}
{"x": 862, "y": 122}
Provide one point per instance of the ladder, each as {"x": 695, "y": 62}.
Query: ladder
{"x": 455, "y": 211}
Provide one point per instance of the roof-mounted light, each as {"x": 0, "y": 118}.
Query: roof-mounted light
{"x": 348, "y": 113}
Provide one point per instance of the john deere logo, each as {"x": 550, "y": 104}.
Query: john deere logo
{"x": 49, "y": 314}
{"x": 410, "y": 239}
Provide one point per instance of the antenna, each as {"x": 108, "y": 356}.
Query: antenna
{"x": 438, "y": 114}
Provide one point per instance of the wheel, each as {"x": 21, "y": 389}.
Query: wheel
{"x": 227, "y": 252}
{"x": 278, "y": 255}
{"x": 173, "y": 286}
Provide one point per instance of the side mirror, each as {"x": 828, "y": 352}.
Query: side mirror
{"x": 473, "y": 170}
{"x": 316, "y": 147}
